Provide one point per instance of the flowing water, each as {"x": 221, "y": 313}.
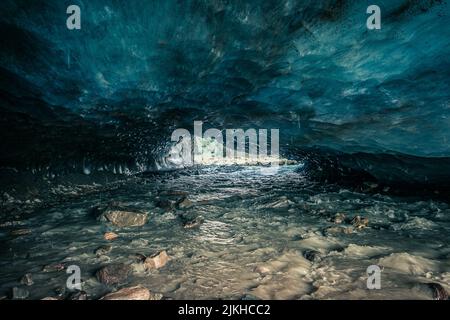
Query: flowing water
{"x": 263, "y": 236}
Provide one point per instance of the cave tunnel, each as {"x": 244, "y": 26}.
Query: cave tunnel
{"x": 104, "y": 168}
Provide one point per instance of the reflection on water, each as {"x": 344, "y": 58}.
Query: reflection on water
{"x": 262, "y": 236}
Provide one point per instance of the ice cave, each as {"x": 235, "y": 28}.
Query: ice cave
{"x": 101, "y": 196}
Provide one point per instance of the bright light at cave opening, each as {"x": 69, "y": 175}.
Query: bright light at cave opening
{"x": 210, "y": 152}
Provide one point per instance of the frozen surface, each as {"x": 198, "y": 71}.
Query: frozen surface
{"x": 252, "y": 243}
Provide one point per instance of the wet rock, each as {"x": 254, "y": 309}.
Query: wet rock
{"x": 338, "y": 218}
{"x": 113, "y": 274}
{"x": 103, "y": 250}
{"x": 123, "y": 219}
{"x": 19, "y": 293}
{"x": 438, "y": 291}
{"x": 156, "y": 261}
{"x": 360, "y": 222}
{"x": 166, "y": 204}
{"x": 20, "y": 232}
{"x": 185, "y": 204}
{"x": 110, "y": 236}
{"x": 195, "y": 223}
{"x": 131, "y": 293}
{"x": 79, "y": 295}
{"x": 54, "y": 267}
{"x": 27, "y": 280}
{"x": 311, "y": 255}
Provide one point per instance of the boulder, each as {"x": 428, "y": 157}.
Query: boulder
{"x": 156, "y": 261}
{"x": 123, "y": 219}
{"x": 113, "y": 274}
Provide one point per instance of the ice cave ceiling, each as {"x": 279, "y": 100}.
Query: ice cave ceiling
{"x": 117, "y": 88}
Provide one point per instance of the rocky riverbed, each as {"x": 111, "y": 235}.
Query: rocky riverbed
{"x": 227, "y": 232}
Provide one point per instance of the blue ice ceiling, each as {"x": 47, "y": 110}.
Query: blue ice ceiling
{"x": 310, "y": 68}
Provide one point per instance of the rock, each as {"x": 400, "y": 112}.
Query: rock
{"x": 113, "y": 274}
{"x": 123, "y": 219}
{"x": 439, "y": 292}
{"x": 103, "y": 250}
{"x": 20, "y": 232}
{"x": 156, "y": 261}
{"x": 338, "y": 218}
{"x": 311, "y": 255}
{"x": 49, "y": 298}
{"x": 165, "y": 204}
{"x": 19, "y": 293}
{"x": 132, "y": 293}
{"x": 27, "y": 280}
{"x": 79, "y": 295}
{"x": 54, "y": 267}
{"x": 185, "y": 204}
{"x": 110, "y": 236}
{"x": 195, "y": 223}
{"x": 360, "y": 223}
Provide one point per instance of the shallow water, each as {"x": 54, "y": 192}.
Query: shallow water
{"x": 251, "y": 244}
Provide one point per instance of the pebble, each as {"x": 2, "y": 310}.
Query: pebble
{"x": 54, "y": 267}
{"x": 20, "y": 232}
{"x": 110, "y": 236}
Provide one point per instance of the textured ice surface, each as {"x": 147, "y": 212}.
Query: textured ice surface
{"x": 114, "y": 91}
